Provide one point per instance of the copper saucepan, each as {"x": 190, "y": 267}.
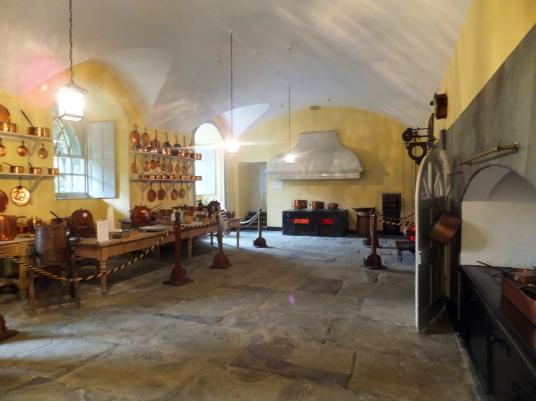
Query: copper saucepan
{"x": 151, "y": 194}
{"x": 316, "y": 205}
{"x": 444, "y": 229}
{"x": 3, "y": 149}
{"x": 36, "y": 131}
{"x": 8, "y": 127}
{"x": 15, "y": 169}
{"x": 43, "y": 153}
{"x": 53, "y": 171}
{"x": 333, "y": 206}
{"x": 299, "y": 204}
{"x": 34, "y": 170}
{"x": 8, "y": 227}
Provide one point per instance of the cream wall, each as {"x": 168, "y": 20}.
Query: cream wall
{"x": 375, "y": 139}
{"x": 491, "y": 32}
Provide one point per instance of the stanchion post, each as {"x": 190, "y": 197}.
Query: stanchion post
{"x": 4, "y": 332}
{"x": 260, "y": 242}
{"x": 178, "y": 275}
{"x": 220, "y": 261}
{"x": 373, "y": 261}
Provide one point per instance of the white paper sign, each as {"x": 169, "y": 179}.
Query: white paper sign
{"x": 102, "y": 231}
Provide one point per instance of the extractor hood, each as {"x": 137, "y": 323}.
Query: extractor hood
{"x": 318, "y": 156}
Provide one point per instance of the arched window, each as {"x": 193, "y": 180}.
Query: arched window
{"x": 209, "y": 143}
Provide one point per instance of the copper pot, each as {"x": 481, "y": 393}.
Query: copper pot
{"x": 315, "y": 205}
{"x": 15, "y": 169}
{"x": 39, "y": 131}
{"x": 8, "y": 227}
{"x": 333, "y": 206}
{"x": 53, "y": 171}
{"x": 35, "y": 170}
{"x": 444, "y": 228}
{"x": 299, "y": 204}
{"x": 8, "y": 127}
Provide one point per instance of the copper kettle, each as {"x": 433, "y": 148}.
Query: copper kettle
{"x": 8, "y": 227}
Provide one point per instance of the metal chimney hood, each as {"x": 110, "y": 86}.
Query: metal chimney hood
{"x": 318, "y": 156}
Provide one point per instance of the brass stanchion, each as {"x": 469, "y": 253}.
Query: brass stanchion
{"x": 373, "y": 261}
{"x": 4, "y": 332}
{"x": 260, "y": 242}
{"x": 178, "y": 275}
{"x": 368, "y": 241}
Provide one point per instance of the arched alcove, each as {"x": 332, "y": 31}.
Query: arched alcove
{"x": 498, "y": 219}
{"x": 209, "y": 142}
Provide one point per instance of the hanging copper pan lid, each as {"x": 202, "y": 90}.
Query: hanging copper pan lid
{"x": 4, "y": 114}
{"x": 3, "y": 201}
{"x": 20, "y": 195}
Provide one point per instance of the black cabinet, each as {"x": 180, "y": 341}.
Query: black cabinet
{"x": 500, "y": 341}
{"x": 391, "y": 207}
{"x": 320, "y": 222}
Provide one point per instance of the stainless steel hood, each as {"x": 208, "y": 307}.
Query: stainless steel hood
{"x": 318, "y": 156}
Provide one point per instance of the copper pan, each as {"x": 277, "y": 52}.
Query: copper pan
{"x": 161, "y": 193}
{"x": 43, "y": 153}
{"x": 22, "y": 150}
{"x": 8, "y": 127}
{"x": 3, "y": 149}
{"x": 155, "y": 143}
{"x": 174, "y": 193}
{"x": 20, "y": 195}
{"x": 8, "y": 227}
{"x": 135, "y": 135}
{"x": 144, "y": 140}
{"x": 15, "y": 169}
{"x": 151, "y": 194}
{"x": 299, "y": 204}
{"x": 444, "y": 229}
{"x": 316, "y": 205}
{"x": 39, "y": 131}
{"x": 134, "y": 167}
{"x": 35, "y": 170}
{"x": 182, "y": 192}
{"x": 333, "y": 206}
{"x": 3, "y": 202}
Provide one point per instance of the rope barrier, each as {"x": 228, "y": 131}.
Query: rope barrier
{"x": 87, "y": 278}
{"x": 396, "y": 224}
{"x": 250, "y": 221}
{"x": 396, "y": 218}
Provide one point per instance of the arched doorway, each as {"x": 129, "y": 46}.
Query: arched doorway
{"x": 498, "y": 219}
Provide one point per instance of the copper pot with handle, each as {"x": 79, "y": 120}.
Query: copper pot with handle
{"x": 8, "y": 227}
{"x": 444, "y": 229}
{"x": 333, "y": 206}
{"x": 316, "y": 205}
{"x": 299, "y": 204}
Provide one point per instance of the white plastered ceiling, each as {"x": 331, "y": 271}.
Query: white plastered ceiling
{"x": 384, "y": 56}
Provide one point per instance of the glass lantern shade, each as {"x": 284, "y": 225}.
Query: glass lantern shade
{"x": 71, "y": 102}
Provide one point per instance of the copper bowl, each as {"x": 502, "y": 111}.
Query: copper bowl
{"x": 316, "y": 205}
{"x": 39, "y": 131}
{"x": 299, "y": 204}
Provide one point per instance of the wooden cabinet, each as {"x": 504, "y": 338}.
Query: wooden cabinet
{"x": 500, "y": 341}
{"x": 321, "y": 223}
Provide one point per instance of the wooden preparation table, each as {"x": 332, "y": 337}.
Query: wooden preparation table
{"x": 90, "y": 248}
{"x": 18, "y": 247}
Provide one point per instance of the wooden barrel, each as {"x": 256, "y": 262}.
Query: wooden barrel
{"x": 51, "y": 244}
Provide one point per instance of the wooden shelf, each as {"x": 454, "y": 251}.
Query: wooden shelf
{"x": 21, "y": 137}
{"x": 163, "y": 180}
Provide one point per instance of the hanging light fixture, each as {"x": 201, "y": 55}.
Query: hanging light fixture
{"x": 71, "y": 96}
{"x": 289, "y": 158}
{"x": 232, "y": 143}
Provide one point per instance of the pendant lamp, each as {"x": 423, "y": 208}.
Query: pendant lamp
{"x": 232, "y": 143}
{"x": 289, "y": 158}
{"x": 71, "y": 96}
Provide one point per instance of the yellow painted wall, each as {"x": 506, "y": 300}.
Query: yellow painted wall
{"x": 375, "y": 139}
{"x": 491, "y": 32}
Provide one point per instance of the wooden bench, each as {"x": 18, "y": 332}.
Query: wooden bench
{"x": 404, "y": 246}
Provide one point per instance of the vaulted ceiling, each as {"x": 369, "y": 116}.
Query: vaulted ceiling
{"x": 384, "y": 56}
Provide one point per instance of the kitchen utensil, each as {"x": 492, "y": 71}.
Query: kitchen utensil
{"x": 34, "y": 170}
{"x": 163, "y": 165}
{"x": 182, "y": 192}
{"x": 151, "y": 194}
{"x": 333, "y": 206}
{"x": 299, "y": 204}
{"x": 3, "y": 201}
{"x": 167, "y": 144}
{"x": 161, "y": 193}
{"x": 178, "y": 168}
{"x": 36, "y": 131}
{"x": 174, "y": 193}
{"x": 170, "y": 167}
{"x": 3, "y": 149}
{"x": 158, "y": 162}
{"x": 135, "y": 135}
{"x": 146, "y": 165}
{"x": 15, "y": 169}
{"x": 176, "y": 144}
{"x": 20, "y": 195}
{"x": 184, "y": 169}
{"x": 145, "y": 140}
{"x": 155, "y": 142}
{"x": 4, "y": 114}
{"x": 22, "y": 150}
{"x": 53, "y": 171}
{"x": 8, "y": 227}
{"x": 444, "y": 228}
{"x": 8, "y": 127}
{"x": 152, "y": 163}
{"x": 43, "y": 153}
{"x": 316, "y": 205}
{"x": 135, "y": 167}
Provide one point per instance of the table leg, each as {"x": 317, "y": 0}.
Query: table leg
{"x": 211, "y": 238}
{"x": 238, "y": 235}
{"x": 102, "y": 269}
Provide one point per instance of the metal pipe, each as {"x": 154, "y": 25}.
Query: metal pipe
{"x": 514, "y": 146}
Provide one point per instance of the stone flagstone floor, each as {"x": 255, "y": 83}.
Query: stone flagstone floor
{"x": 300, "y": 320}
